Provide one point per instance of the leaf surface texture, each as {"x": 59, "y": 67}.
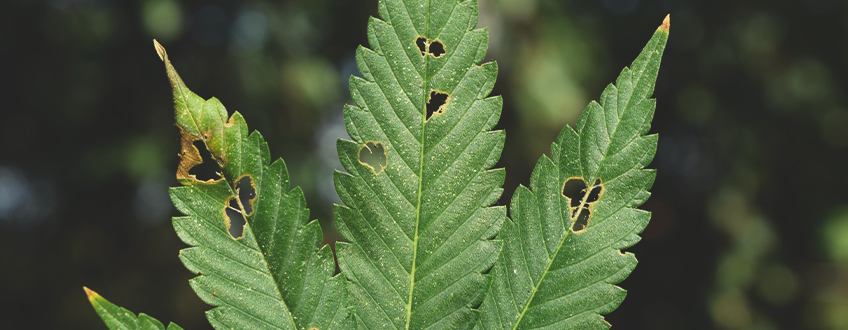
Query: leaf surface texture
{"x": 117, "y": 318}
{"x": 561, "y": 253}
{"x": 418, "y": 219}
{"x": 273, "y": 274}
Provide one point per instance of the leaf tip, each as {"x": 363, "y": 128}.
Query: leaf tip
{"x": 90, "y": 294}
{"x": 160, "y": 50}
{"x": 666, "y": 24}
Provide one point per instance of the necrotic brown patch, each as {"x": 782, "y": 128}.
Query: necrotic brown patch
{"x": 196, "y": 162}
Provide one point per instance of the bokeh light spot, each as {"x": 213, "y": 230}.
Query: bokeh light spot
{"x": 162, "y": 19}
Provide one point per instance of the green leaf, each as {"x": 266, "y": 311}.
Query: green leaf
{"x": 273, "y": 272}
{"x": 417, "y": 197}
{"x": 117, "y": 318}
{"x": 561, "y": 253}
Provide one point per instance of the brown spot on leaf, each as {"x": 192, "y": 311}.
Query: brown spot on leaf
{"x": 196, "y": 162}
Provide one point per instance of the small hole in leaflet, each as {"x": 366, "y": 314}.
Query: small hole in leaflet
{"x": 437, "y": 48}
{"x": 595, "y": 193}
{"x": 246, "y": 193}
{"x": 235, "y": 219}
{"x": 421, "y": 42}
{"x": 436, "y": 104}
{"x": 373, "y": 155}
{"x": 581, "y": 221}
{"x": 209, "y": 169}
{"x": 574, "y": 189}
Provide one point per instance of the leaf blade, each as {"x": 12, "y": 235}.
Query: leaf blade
{"x": 555, "y": 274}
{"x": 415, "y": 258}
{"x": 275, "y": 275}
{"x": 117, "y": 318}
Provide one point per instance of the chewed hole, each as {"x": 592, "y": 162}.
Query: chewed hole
{"x": 574, "y": 189}
{"x": 437, "y": 49}
{"x": 580, "y": 204}
{"x": 421, "y": 42}
{"x": 209, "y": 169}
{"x": 235, "y": 218}
{"x": 594, "y": 194}
{"x": 427, "y": 46}
{"x": 437, "y": 103}
{"x": 373, "y": 155}
{"x": 246, "y": 193}
{"x": 582, "y": 220}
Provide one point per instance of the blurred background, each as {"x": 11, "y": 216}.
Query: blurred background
{"x": 750, "y": 225}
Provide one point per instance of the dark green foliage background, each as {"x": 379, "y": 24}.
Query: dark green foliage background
{"x": 749, "y": 226}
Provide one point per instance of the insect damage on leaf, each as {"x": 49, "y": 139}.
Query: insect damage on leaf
{"x": 196, "y": 162}
{"x": 437, "y": 103}
{"x": 234, "y": 218}
{"x": 246, "y": 190}
{"x": 240, "y": 206}
{"x": 581, "y": 200}
{"x": 562, "y": 252}
{"x": 373, "y": 155}
{"x": 433, "y": 48}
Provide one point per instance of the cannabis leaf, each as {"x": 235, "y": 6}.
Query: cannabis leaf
{"x": 117, "y": 318}
{"x": 273, "y": 272}
{"x": 561, "y": 252}
{"x": 417, "y": 215}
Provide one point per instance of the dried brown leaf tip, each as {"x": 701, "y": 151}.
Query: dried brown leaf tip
{"x": 90, "y": 294}
{"x": 160, "y": 50}
{"x": 666, "y": 24}
{"x": 196, "y": 162}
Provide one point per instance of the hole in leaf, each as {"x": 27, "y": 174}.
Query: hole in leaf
{"x": 246, "y": 193}
{"x": 574, "y": 189}
{"x": 208, "y": 169}
{"x": 426, "y": 46}
{"x": 582, "y": 220}
{"x": 373, "y": 155}
{"x": 437, "y": 103}
{"x": 235, "y": 218}
{"x": 437, "y": 49}
{"x": 595, "y": 193}
{"x": 421, "y": 42}
{"x": 581, "y": 199}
